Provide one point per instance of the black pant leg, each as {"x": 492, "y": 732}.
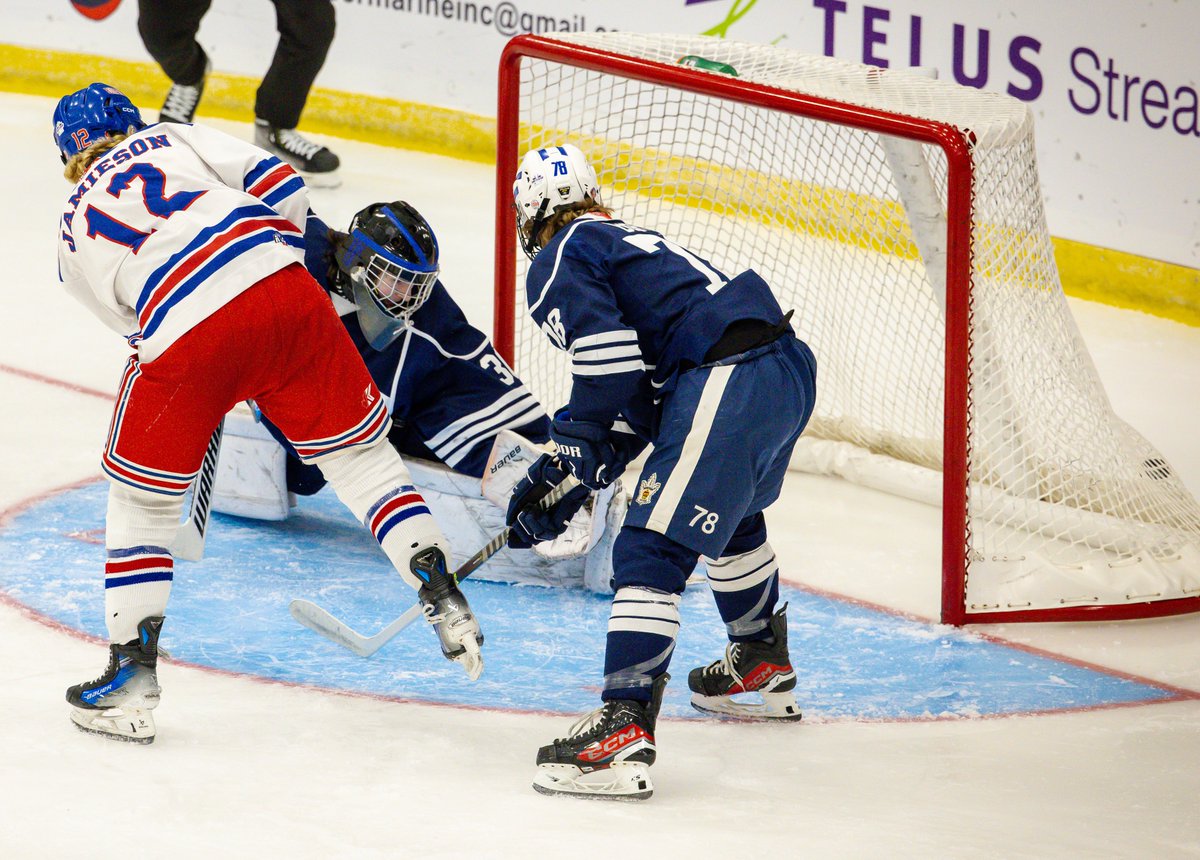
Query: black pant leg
{"x": 168, "y": 30}
{"x": 305, "y": 33}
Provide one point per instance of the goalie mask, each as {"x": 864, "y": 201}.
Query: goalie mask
{"x": 391, "y": 259}
{"x": 548, "y": 180}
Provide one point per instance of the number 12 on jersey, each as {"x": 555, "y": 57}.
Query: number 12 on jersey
{"x": 158, "y": 204}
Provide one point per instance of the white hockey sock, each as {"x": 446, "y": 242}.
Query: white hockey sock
{"x": 375, "y": 485}
{"x": 139, "y": 569}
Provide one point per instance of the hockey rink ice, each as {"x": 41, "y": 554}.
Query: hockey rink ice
{"x": 919, "y": 740}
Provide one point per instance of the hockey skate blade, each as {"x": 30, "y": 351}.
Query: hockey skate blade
{"x": 131, "y": 726}
{"x": 623, "y": 781}
{"x": 774, "y": 707}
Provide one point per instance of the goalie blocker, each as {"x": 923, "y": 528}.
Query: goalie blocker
{"x": 251, "y": 482}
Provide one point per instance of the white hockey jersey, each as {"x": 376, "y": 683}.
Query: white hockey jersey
{"x": 173, "y": 223}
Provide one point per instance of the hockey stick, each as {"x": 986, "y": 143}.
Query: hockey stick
{"x": 189, "y": 539}
{"x": 331, "y": 627}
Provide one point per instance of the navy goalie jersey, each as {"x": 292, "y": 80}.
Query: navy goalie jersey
{"x": 633, "y": 310}
{"x": 447, "y": 389}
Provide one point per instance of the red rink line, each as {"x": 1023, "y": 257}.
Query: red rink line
{"x": 58, "y": 383}
{"x": 1178, "y": 694}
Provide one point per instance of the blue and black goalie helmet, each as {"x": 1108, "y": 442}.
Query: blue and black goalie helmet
{"x": 392, "y": 261}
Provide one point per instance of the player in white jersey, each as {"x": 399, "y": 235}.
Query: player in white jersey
{"x": 189, "y": 243}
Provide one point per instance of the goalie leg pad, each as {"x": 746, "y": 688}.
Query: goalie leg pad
{"x": 511, "y": 457}
{"x": 252, "y": 472}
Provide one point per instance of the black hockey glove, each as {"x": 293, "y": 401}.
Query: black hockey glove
{"x": 321, "y": 246}
{"x": 529, "y": 524}
{"x": 339, "y": 279}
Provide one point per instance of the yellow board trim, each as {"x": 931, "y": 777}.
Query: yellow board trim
{"x": 372, "y": 119}
{"x": 1087, "y": 271}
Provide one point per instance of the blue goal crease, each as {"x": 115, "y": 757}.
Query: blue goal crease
{"x": 544, "y": 649}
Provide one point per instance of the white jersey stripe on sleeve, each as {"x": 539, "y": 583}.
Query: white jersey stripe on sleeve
{"x": 486, "y": 424}
{"x": 607, "y": 353}
{"x": 591, "y": 341}
{"x": 578, "y": 369}
{"x": 531, "y": 414}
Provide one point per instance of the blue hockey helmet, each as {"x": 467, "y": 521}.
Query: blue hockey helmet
{"x": 87, "y": 115}
{"x": 391, "y": 259}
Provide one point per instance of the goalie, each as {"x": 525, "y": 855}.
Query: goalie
{"x": 465, "y": 424}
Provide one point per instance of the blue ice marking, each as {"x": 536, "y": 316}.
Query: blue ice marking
{"x": 544, "y": 648}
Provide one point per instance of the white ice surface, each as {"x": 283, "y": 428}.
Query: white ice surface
{"x": 244, "y": 768}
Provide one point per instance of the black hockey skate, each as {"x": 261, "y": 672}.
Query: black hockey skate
{"x": 448, "y": 611}
{"x": 607, "y": 754}
{"x": 117, "y": 705}
{"x": 315, "y": 162}
{"x": 183, "y": 99}
{"x": 750, "y": 667}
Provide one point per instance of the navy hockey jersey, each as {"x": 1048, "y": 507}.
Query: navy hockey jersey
{"x": 633, "y": 310}
{"x": 448, "y": 391}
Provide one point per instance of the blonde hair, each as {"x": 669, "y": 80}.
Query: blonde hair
{"x": 77, "y": 165}
{"x": 565, "y": 216}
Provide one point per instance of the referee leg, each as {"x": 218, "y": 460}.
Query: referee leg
{"x": 306, "y": 30}
{"x": 168, "y": 29}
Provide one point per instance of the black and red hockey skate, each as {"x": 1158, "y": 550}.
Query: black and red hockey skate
{"x": 608, "y": 753}
{"x": 750, "y": 667}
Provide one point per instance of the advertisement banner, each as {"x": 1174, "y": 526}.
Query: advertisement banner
{"x": 1114, "y": 95}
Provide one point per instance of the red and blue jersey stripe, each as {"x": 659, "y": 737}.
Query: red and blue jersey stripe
{"x": 213, "y": 248}
{"x": 363, "y": 433}
{"x": 272, "y": 180}
{"x": 400, "y": 504}
{"x": 137, "y": 564}
{"x": 126, "y": 471}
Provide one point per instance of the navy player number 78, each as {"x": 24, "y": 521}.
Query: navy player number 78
{"x": 665, "y": 348}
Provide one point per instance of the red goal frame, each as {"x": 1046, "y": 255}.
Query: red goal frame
{"x": 957, "y": 148}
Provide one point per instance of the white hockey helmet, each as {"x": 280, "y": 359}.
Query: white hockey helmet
{"x": 547, "y": 180}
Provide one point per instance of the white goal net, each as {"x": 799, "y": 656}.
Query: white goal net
{"x": 901, "y": 217}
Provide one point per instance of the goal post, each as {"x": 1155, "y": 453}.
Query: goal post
{"x": 901, "y": 217}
